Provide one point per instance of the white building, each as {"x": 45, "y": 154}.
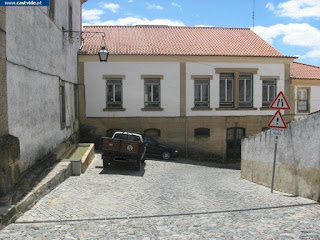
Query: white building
{"x": 305, "y": 86}
{"x": 200, "y": 89}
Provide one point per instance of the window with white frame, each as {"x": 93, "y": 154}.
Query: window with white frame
{"x": 152, "y": 93}
{"x": 114, "y": 93}
{"x": 226, "y": 90}
{"x": 202, "y": 93}
{"x": 269, "y": 90}
{"x": 245, "y": 89}
{"x": 303, "y": 100}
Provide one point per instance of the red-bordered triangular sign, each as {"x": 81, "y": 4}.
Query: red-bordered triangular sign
{"x": 280, "y": 102}
{"x": 277, "y": 121}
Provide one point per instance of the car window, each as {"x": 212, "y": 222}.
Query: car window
{"x": 127, "y": 137}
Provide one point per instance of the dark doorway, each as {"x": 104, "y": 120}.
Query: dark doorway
{"x": 234, "y": 136}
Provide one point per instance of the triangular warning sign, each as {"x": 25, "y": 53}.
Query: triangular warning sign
{"x": 280, "y": 102}
{"x": 277, "y": 121}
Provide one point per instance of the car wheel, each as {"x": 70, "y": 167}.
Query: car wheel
{"x": 166, "y": 155}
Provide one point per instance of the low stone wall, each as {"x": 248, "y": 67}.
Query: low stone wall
{"x": 298, "y": 158}
{"x": 87, "y": 157}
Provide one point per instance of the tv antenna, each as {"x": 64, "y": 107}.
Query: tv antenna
{"x": 254, "y": 5}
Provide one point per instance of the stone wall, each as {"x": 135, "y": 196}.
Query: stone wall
{"x": 298, "y": 158}
{"x": 173, "y": 131}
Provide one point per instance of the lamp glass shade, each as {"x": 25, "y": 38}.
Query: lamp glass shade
{"x": 103, "y": 54}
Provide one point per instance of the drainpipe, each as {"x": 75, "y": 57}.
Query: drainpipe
{"x": 186, "y": 136}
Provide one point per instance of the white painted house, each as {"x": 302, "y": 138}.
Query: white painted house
{"x": 200, "y": 89}
{"x": 305, "y": 84}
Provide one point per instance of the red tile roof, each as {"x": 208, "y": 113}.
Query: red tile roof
{"x": 304, "y": 71}
{"x": 165, "y": 40}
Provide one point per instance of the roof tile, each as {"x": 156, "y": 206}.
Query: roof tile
{"x": 304, "y": 71}
{"x": 165, "y": 40}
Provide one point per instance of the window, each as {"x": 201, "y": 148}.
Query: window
{"x": 303, "y": 100}
{"x": 76, "y": 103}
{"x": 114, "y": 93}
{"x": 201, "y": 93}
{"x": 51, "y": 9}
{"x": 155, "y": 132}
{"x": 62, "y": 101}
{"x": 70, "y": 21}
{"x": 110, "y": 132}
{"x": 269, "y": 89}
{"x": 226, "y": 89}
{"x": 152, "y": 93}
{"x": 202, "y": 132}
{"x": 245, "y": 90}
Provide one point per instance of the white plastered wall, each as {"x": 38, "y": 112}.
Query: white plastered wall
{"x": 209, "y": 69}
{"x": 133, "y": 88}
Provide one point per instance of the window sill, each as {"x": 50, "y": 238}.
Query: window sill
{"x": 201, "y": 109}
{"x": 303, "y": 112}
{"x": 266, "y": 109}
{"x": 114, "y": 109}
{"x": 151, "y": 109}
{"x": 226, "y": 109}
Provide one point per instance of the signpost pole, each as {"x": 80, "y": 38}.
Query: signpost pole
{"x": 274, "y": 163}
{"x": 277, "y": 122}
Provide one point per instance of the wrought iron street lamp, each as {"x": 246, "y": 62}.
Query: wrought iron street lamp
{"x": 103, "y": 54}
{"x": 71, "y": 36}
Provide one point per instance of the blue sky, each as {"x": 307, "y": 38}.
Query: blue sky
{"x": 291, "y": 26}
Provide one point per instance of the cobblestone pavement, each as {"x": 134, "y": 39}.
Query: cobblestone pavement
{"x": 166, "y": 200}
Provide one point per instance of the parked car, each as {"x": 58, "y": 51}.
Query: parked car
{"x": 155, "y": 149}
{"x": 125, "y": 147}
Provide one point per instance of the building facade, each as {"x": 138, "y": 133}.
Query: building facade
{"x": 41, "y": 82}
{"x": 199, "y": 89}
{"x": 305, "y": 85}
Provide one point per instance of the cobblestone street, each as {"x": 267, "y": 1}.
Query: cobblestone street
{"x": 166, "y": 200}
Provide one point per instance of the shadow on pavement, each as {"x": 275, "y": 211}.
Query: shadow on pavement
{"x": 234, "y": 166}
{"x": 122, "y": 169}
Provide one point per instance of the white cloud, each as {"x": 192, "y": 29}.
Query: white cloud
{"x": 132, "y": 21}
{"x": 174, "y": 4}
{"x": 113, "y": 7}
{"x": 154, "y": 6}
{"x": 293, "y": 34}
{"x": 270, "y": 6}
{"x": 92, "y": 14}
{"x": 297, "y": 8}
{"x": 203, "y": 25}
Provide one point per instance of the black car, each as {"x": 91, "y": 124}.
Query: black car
{"x": 156, "y": 149}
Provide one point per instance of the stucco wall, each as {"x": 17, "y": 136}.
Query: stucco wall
{"x": 133, "y": 88}
{"x": 271, "y": 70}
{"x": 37, "y": 59}
{"x": 3, "y": 74}
{"x": 95, "y": 87}
{"x": 298, "y": 158}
